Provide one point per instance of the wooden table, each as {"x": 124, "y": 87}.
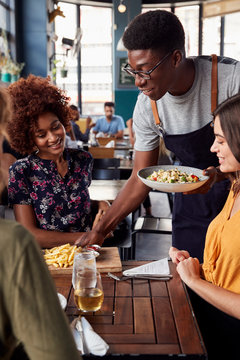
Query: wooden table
{"x": 151, "y": 319}
{"x": 105, "y": 189}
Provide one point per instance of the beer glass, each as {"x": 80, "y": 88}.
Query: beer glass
{"x": 87, "y": 284}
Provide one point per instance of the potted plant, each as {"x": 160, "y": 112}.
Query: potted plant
{"x": 54, "y": 69}
{"x": 63, "y": 70}
{"x": 5, "y": 68}
{"x": 15, "y": 70}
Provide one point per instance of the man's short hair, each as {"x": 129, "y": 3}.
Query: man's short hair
{"x": 73, "y": 107}
{"x": 157, "y": 30}
{"x": 109, "y": 103}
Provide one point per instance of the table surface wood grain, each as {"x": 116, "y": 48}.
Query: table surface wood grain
{"x": 150, "y": 318}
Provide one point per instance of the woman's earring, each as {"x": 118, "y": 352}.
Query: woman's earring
{"x": 36, "y": 150}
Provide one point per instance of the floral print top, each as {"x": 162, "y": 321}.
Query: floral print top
{"x": 60, "y": 204}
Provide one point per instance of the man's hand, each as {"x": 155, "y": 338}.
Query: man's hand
{"x": 178, "y": 255}
{"x": 90, "y": 238}
{"x": 214, "y": 176}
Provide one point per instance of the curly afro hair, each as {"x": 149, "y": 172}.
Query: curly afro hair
{"x": 155, "y": 30}
{"x": 30, "y": 98}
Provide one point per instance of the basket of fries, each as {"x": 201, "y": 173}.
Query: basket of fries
{"x": 61, "y": 256}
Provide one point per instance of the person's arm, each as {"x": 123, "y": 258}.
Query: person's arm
{"x": 129, "y": 198}
{"x": 225, "y": 300}
{"x": 129, "y": 123}
{"x": 6, "y": 161}
{"x": 120, "y": 128}
{"x": 119, "y": 134}
{"x": 34, "y": 311}
{"x": 71, "y": 133}
{"x": 25, "y": 215}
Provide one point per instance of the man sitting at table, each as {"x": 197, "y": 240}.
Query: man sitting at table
{"x": 110, "y": 125}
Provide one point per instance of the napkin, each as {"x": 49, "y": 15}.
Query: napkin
{"x": 110, "y": 144}
{"x": 158, "y": 268}
{"x": 86, "y": 339}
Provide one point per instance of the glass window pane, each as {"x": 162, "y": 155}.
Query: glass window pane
{"x": 96, "y": 58}
{"x": 211, "y": 35}
{"x": 231, "y": 39}
{"x": 189, "y": 17}
{"x": 66, "y": 28}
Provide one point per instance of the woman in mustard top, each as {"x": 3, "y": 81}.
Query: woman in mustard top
{"x": 216, "y": 283}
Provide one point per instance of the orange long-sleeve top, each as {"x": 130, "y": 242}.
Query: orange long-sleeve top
{"x": 221, "y": 264}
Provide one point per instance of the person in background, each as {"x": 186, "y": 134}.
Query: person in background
{"x": 179, "y": 90}
{"x": 110, "y": 124}
{"x": 76, "y": 130}
{"x": 129, "y": 124}
{"x": 48, "y": 189}
{"x": 216, "y": 283}
{"x": 32, "y": 323}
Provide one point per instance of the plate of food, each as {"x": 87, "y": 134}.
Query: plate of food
{"x": 170, "y": 178}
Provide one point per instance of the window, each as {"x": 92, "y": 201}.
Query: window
{"x": 211, "y": 35}
{"x": 231, "y": 38}
{"x": 189, "y": 17}
{"x": 96, "y": 56}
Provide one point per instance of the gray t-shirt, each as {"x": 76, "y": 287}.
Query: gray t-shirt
{"x": 189, "y": 112}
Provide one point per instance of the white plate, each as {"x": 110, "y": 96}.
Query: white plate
{"x": 63, "y": 301}
{"x": 173, "y": 187}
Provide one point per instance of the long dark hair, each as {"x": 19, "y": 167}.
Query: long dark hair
{"x": 229, "y": 116}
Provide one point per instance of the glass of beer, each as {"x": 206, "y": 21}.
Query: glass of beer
{"x": 88, "y": 291}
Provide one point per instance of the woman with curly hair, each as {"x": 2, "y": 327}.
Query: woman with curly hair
{"x": 48, "y": 189}
{"x": 32, "y": 325}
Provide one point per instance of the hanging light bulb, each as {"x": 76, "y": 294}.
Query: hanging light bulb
{"x": 121, "y": 7}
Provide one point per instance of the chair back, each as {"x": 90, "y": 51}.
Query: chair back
{"x": 106, "y": 174}
{"x": 106, "y": 163}
{"x": 106, "y": 169}
{"x": 99, "y": 152}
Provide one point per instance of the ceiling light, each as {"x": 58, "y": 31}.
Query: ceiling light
{"x": 121, "y": 7}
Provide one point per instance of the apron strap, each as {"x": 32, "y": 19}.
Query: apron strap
{"x": 155, "y": 112}
{"x": 214, "y": 88}
{"x": 214, "y": 93}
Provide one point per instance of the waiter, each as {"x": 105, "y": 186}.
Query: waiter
{"x": 177, "y": 97}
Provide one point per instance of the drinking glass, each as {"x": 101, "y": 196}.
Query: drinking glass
{"x": 88, "y": 291}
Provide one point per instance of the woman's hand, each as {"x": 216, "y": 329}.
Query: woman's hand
{"x": 189, "y": 270}
{"x": 178, "y": 255}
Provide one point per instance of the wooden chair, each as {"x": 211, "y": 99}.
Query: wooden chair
{"x": 148, "y": 225}
{"x": 99, "y": 152}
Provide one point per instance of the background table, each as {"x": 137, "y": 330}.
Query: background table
{"x": 152, "y": 319}
{"x": 105, "y": 189}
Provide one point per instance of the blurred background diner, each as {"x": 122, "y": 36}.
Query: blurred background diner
{"x": 84, "y": 57}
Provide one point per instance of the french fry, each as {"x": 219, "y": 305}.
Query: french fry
{"x": 61, "y": 256}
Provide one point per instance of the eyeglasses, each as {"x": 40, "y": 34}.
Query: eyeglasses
{"x": 144, "y": 74}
